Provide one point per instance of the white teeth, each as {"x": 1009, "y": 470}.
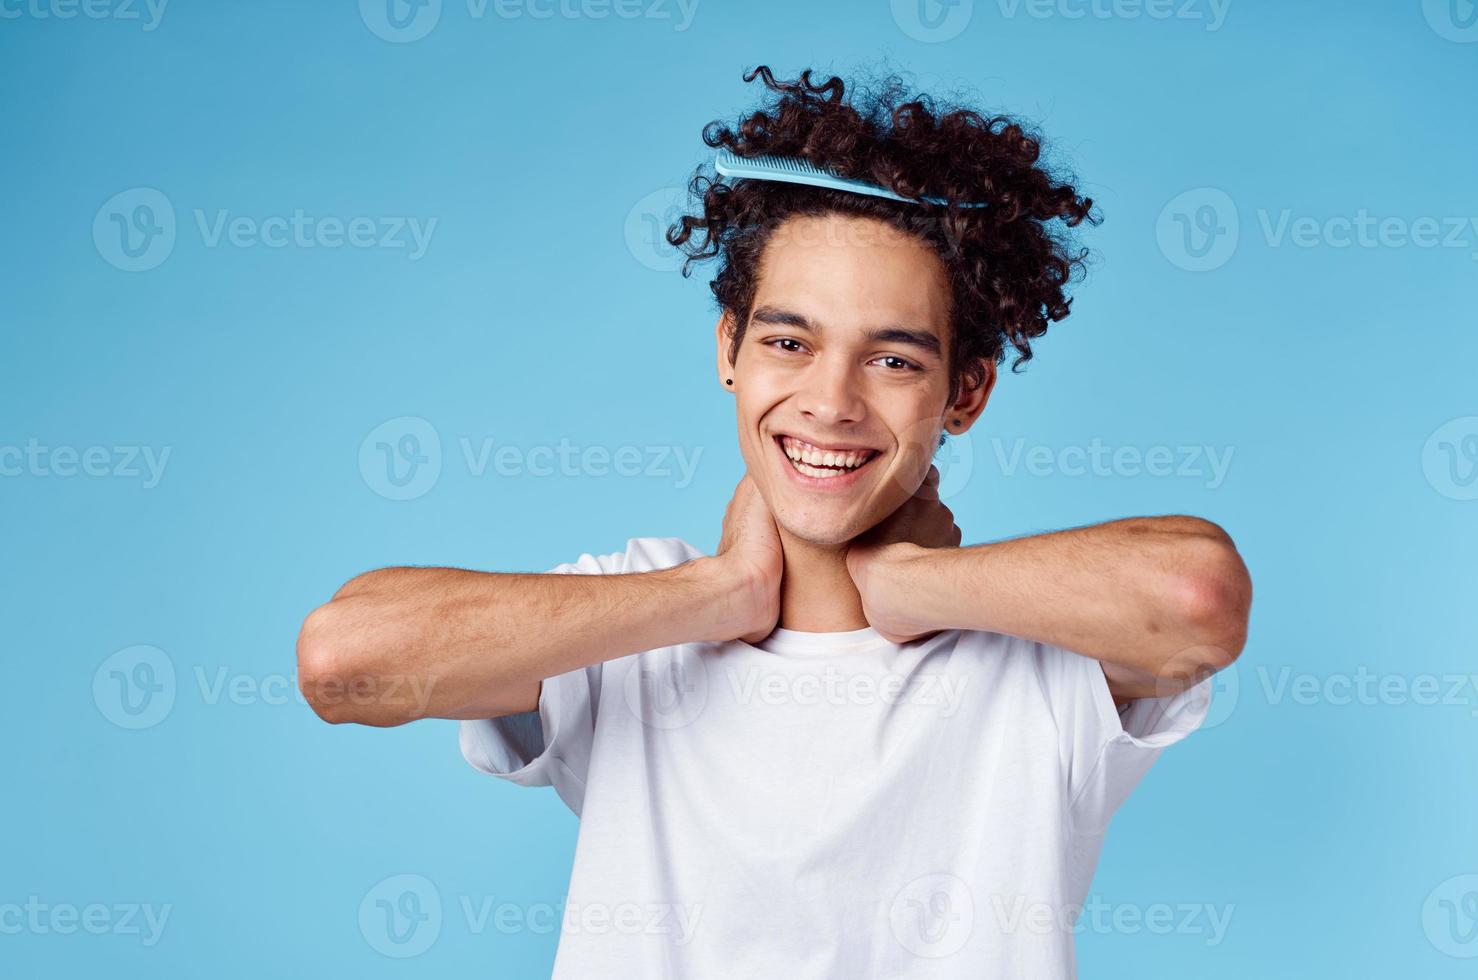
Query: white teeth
{"x": 808, "y": 459}
{"x": 813, "y": 471}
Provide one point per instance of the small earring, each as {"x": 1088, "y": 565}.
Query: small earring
{"x": 728, "y": 381}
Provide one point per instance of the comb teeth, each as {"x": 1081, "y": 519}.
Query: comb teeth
{"x": 795, "y": 170}
{"x": 793, "y": 165}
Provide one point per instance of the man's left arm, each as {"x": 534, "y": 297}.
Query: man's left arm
{"x": 1161, "y": 602}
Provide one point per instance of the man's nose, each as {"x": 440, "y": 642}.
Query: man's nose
{"x": 831, "y": 393}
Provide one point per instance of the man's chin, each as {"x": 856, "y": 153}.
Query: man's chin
{"x": 820, "y": 534}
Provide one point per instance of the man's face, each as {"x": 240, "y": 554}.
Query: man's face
{"x": 842, "y": 378}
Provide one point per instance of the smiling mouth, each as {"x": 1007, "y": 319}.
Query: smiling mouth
{"x": 822, "y": 464}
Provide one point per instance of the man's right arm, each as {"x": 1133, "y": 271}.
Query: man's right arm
{"x": 398, "y": 644}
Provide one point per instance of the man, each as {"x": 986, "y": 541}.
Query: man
{"x": 843, "y": 745}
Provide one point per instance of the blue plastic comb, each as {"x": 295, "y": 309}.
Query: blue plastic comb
{"x": 794, "y": 170}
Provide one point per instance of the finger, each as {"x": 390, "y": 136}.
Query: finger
{"x": 929, "y": 489}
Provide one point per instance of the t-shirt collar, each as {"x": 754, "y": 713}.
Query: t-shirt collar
{"x": 802, "y": 643}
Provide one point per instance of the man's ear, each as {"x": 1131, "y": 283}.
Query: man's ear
{"x": 971, "y": 401}
{"x": 724, "y": 340}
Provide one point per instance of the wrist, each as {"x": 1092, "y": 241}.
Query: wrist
{"x": 721, "y": 595}
{"x": 880, "y": 563}
{"x": 898, "y": 587}
{"x": 902, "y": 552}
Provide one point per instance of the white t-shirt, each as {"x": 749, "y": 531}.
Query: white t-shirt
{"x": 829, "y": 805}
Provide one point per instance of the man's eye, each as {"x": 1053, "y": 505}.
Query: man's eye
{"x": 900, "y": 364}
{"x": 785, "y": 340}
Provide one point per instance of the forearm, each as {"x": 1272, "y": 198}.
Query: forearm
{"x": 404, "y": 643}
{"x": 1164, "y": 599}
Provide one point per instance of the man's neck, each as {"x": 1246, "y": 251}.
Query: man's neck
{"x": 817, "y": 594}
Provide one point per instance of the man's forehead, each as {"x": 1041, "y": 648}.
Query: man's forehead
{"x": 862, "y": 272}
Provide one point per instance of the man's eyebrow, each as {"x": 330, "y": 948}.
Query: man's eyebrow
{"x": 896, "y": 334}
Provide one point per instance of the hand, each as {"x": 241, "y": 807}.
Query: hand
{"x": 922, "y": 522}
{"x": 751, "y": 553}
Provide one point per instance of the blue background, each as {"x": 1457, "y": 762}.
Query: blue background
{"x": 540, "y": 311}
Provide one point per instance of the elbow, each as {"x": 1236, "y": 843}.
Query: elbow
{"x": 1211, "y": 595}
{"x": 320, "y": 664}
{"x": 333, "y": 675}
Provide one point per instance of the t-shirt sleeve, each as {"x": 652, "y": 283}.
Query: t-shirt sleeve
{"x": 549, "y": 746}
{"x": 1106, "y": 750}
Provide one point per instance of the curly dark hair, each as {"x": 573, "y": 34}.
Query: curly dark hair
{"x": 1007, "y": 263}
